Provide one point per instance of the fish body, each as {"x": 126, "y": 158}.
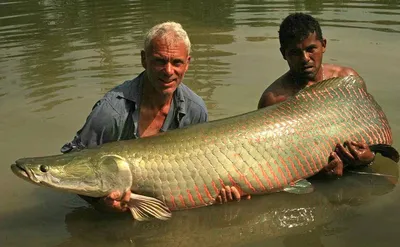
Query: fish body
{"x": 259, "y": 152}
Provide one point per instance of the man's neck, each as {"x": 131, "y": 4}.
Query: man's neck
{"x": 301, "y": 81}
{"x": 154, "y": 99}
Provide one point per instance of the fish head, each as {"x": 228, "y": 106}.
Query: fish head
{"x": 94, "y": 176}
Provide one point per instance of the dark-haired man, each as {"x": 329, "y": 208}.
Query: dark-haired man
{"x": 303, "y": 46}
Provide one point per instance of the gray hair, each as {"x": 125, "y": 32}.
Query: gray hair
{"x": 165, "y": 29}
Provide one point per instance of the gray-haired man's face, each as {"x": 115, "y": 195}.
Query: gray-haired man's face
{"x": 166, "y": 62}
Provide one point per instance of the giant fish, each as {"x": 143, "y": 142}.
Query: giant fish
{"x": 259, "y": 152}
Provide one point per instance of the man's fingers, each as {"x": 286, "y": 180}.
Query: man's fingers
{"x": 344, "y": 154}
{"x": 115, "y": 195}
{"x": 356, "y": 149}
{"x": 223, "y": 195}
{"x": 335, "y": 165}
{"x": 228, "y": 193}
{"x": 360, "y": 145}
{"x": 235, "y": 193}
{"x": 127, "y": 196}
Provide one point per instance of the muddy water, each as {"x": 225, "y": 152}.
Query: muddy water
{"x": 57, "y": 58}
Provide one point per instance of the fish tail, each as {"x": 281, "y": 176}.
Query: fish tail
{"x": 386, "y": 151}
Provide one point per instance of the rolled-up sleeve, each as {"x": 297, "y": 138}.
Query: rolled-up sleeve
{"x": 101, "y": 126}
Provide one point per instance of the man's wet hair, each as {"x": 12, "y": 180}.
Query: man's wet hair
{"x": 296, "y": 28}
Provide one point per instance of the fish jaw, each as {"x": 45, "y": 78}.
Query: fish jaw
{"x": 24, "y": 173}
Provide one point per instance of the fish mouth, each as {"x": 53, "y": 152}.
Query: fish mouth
{"x": 24, "y": 173}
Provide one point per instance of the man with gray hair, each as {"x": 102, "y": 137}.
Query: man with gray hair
{"x": 155, "y": 101}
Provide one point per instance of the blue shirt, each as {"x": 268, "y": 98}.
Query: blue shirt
{"x": 115, "y": 116}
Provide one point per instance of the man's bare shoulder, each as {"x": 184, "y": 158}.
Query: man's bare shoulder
{"x": 274, "y": 93}
{"x": 333, "y": 70}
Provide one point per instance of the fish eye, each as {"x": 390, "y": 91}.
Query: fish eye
{"x": 44, "y": 168}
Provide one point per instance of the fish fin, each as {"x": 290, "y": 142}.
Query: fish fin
{"x": 145, "y": 207}
{"x": 302, "y": 186}
{"x": 386, "y": 151}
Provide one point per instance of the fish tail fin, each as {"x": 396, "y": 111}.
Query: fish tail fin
{"x": 386, "y": 151}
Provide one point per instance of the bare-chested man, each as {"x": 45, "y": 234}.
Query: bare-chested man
{"x": 303, "y": 46}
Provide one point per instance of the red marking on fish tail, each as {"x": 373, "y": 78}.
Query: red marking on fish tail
{"x": 341, "y": 90}
{"x": 286, "y": 167}
{"x": 337, "y": 112}
{"x": 301, "y": 166}
{"x": 199, "y": 196}
{"x": 370, "y": 127}
{"x": 243, "y": 177}
{"x": 329, "y": 93}
{"x": 304, "y": 97}
{"x": 337, "y": 94}
{"x": 323, "y": 94}
{"x": 257, "y": 179}
{"x": 191, "y": 198}
{"x": 207, "y": 192}
{"x": 221, "y": 182}
{"x": 316, "y": 149}
{"x": 240, "y": 190}
{"x": 182, "y": 200}
{"x": 335, "y": 122}
{"x": 316, "y": 94}
{"x": 296, "y": 172}
{"x": 271, "y": 186}
{"x": 355, "y": 92}
{"x": 348, "y": 91}
{"x": 305, "y": 158}
{"x": 382, "y": 127}
{"x": 360, "y": 91}
{"x": 274, "y": 175}
{"x": 172, "y": 198}
{"x": 325, "y": 151}
{"x": 310, "y": 96}
{"x": 385, "y": 127}
{"x": 232, "y": 180}
{"x": 360, "y": 119}
{"x": 346, "y": 127}
{"x": 312, "y": 159}
{"x": 284, "y": 179}
{"x": 215, "y": 187}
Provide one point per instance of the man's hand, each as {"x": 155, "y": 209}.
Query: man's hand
{"x": 230, "y": 193}
{"x": 351, "y": 153}
{"x": 114, "y": 202}
{"x": 335, "y": 165}
{"x": 355, "y": 153}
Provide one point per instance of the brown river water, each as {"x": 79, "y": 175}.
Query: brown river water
{"x": 57, "y": 58}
